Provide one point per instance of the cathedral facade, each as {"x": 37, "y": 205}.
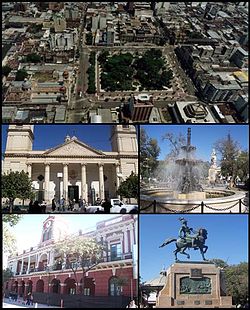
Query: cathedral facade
{"x": 73, "y": 169}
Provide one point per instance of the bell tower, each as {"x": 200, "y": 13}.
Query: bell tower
{"x": 55, "y": 228}
{"x": 124, "y": 139}
{"x": 20, "y": 138}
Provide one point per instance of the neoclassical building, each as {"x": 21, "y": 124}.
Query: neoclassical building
{"x": 39, "y": 271}
{"x": 73, "y": 168}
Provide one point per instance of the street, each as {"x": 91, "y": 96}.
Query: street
{"x": 20, "y": 304}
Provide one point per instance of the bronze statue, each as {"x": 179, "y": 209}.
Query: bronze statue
{"x": 187, "y": 240}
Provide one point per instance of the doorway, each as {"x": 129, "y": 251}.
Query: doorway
{"x": 73, "y": 192}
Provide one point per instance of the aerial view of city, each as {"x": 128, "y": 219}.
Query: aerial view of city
{"x": 125, "y": 62}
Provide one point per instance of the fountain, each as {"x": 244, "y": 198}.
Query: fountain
{"x": 186, "y": 191}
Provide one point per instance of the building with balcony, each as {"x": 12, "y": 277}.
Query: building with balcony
{"x": 41, "y": 271}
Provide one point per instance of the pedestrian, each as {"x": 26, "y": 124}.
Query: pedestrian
{"x": 43, "y": 206}
{"x": 62, "y": 204}
{"x": 28, "y": 299}
{"x": 53, "y": 204}
{"x": 35, "y": 208}
{"x": 31, "y": 299}
{"x": 106, "y": 205}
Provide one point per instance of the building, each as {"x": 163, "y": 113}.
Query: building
{"x": 73, "y": 168}
{"x": 42, "y": 271}
{"x": 138, "y": 108}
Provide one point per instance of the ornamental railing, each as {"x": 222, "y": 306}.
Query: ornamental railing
{"x": 155, "y": 205}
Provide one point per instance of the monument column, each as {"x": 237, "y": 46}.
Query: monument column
{"x": 84, "y": 193}
{"x": 46, "y": 182}
{"x": 101, "y": 181}
{"x": 65, "y": 181}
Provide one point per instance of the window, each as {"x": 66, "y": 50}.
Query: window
{"x": 116, "y": 251}
{"x": 86, "y": 291}
{"x": 114, "y": 287}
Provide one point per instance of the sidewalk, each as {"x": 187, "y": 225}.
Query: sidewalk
{"x": 20, "y": 304}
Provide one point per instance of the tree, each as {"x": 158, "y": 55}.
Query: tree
{"x": 9, "y": 240}
{"x": 33, "y": 58}
{"x": 242, "y": 165}
{"x": 7, "y": 274}
{"x": 21, "y": 75}
{"x": 229, "y": 151}
{"x": 6, "y": 70}
{"x": 148, "y": 155}
{"x": 78, "y": 252}
{"x": 16, "y": 185}
{"x": 129, "y": 187}
{"x": 236, "y": 280}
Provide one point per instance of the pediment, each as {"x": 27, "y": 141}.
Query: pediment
{"x": 73, "y": 148}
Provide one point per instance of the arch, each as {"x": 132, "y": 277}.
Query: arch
{"x": 40, "y": 286}
{"x": 55, "y": 286}
{"x": 114, "y": 287}
{"x": 88, "y": 287}
{"x": 29, "y": 287}
{"x": 42, "y": 261}
{"x": 70, "y": 287}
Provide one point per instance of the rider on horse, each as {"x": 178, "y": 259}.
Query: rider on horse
{"x": 185, "y": 232}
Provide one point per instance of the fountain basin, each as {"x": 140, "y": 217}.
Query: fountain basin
{"x": 168, "y": 201}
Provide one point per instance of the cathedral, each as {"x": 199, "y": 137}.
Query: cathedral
{"x": 73, "y": 169}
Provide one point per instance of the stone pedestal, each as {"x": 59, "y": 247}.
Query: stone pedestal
{"x": 193, "y": 285}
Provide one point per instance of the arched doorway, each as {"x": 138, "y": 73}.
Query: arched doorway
{"x": 114, "y": 287}
{"x": 88, "y": 287}
{"x": 55, "y": 286}
{"x": 70, "y": 287}
{"x": 29, "y": 287}
{"x": 40, "y": 286}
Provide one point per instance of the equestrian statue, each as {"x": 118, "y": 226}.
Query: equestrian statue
{"x": 188, "y": 239}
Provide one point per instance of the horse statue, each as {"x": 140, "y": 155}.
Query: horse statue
{"x": 188, "y": 241}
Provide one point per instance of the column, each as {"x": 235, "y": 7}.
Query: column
{"x": 29, "y": 169}
{"x": 65, "y": 181}
{"x": 131, "y": 237}
{"x": 84, "y": 192}
{"x": 51, "y": 261}
{"x": 28, "y": 268}
{"x": 21, "y": 270}
{"x": 125, "y": 240}
{"x": 101, "y": 181}
{"x": 46, "y": 182}
{"x": 117, "y": 170}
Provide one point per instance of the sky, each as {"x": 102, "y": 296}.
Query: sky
{"x": 202, "y": 136}
{"x": 227, "y": 240}
{"x": 48, "y": 136}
